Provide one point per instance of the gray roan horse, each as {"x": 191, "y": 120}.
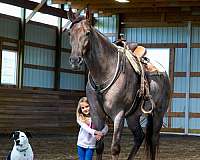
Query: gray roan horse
{"x": 112, "y": 87}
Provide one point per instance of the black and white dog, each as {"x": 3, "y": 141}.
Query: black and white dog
{"x": 22, "y": 149}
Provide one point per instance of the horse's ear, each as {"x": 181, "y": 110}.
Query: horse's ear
{"x": 71, "y": 15}
{"x": 89, "y": 16}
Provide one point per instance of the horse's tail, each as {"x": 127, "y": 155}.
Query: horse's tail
{"x": 150, "y": 147}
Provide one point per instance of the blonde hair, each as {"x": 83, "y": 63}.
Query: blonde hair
{"x": 80, "y": 116}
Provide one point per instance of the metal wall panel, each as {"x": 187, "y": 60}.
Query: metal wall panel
{"x": 65, "y": 40}
{"x": 65, "y": 60}
{"x": 195, "y": 57}
{"x": 179, "y": 84}
{"x": 156, "y": 35}
{"x": 72, "y": 81}
{"x": 194, "y": 84}
{"x": 107, "y": 25}
{"x": 194, "y": 123}
{"x": 180, "y": 60}
{"x": 38, "y": 78}
{"x": 194, "y": 105}
{"x": 178, "y": 105}
{"x": 9, "y": 27}
{"x": 39, "y": 56}
{"x": 177, "y": 122}
{"x": 40, "y": 34}
{"x": 195, "y": 34}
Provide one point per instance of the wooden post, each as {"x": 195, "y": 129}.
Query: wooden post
{"x": 21, "y": 48}
{"x": 58, "y": 53}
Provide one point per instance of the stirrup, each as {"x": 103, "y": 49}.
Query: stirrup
{"x": 152, "y": 107}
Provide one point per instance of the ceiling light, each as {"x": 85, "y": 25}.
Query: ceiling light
{"x": 123, "y": 1}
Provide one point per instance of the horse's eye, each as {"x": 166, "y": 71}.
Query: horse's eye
{"x": 87, "y": 33}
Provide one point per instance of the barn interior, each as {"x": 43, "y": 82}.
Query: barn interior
{"x": 44, "y": 95}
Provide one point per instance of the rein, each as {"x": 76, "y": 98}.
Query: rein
{"x": 100, "y": 88}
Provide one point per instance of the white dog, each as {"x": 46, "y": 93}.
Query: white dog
{"x": 22, "y": 149}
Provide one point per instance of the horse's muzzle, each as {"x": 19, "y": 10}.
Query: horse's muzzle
{"x": 75, "y": 61}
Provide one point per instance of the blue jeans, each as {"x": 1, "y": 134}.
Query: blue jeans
{"x": 85, "y": 153}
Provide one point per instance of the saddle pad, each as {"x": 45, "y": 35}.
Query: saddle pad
{"x": 131, "y": 59}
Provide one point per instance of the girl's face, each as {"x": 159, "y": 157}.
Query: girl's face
{"x": 85, "y": 108}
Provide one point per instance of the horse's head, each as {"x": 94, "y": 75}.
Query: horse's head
{"x": 79, "y": 40}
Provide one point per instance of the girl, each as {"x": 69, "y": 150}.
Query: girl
{"x": 87, "y": 136}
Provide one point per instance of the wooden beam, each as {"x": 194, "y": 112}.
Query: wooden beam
{"x": 31, "y": 5}
{"x": 66, "y": 26}
{"x": 21, "y": 49}
{"x": 35, "y": 10}
{"x": 58, "y": 53}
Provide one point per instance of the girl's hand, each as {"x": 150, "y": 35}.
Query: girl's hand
{"x": 98, "y": 135}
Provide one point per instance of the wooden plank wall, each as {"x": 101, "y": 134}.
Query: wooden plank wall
{"x": 44, "y": 112}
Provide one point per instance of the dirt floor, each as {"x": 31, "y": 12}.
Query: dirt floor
{"x": 63, "y": 147}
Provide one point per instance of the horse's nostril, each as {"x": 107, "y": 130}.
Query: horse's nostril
{"x": 70, "y": 59}
{"x": 80, "y": 59}
{"x": 75, "y": 60}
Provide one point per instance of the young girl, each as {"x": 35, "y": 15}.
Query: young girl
{"x": 87, "y": 135}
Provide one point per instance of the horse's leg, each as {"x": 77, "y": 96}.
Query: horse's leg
{"x": 118, "y": 126}
{"x": 154, "y": 124}
{"x": 157, "y": 125}
{"x": 98, "y": 118}
{"x": 133, "y": 122}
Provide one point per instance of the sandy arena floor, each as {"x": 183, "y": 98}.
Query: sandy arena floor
{"x": 63, "y": 147}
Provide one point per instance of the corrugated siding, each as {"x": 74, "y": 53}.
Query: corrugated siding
{"x": 194, "y": 123}
{"x": 180, "y": 64}
{"x": 72, "y": 81}
{"x": 195, "y": 35}
{"x": 178, "y": 105}
{"x": 9, "y": 28}
{"x": 40, "y": 34}
{"x": 65, "y": 60}
{"x": 107, "y": 25}
{"x": 65, "y": 40}
{"x": 156, "y": 35}
{"x": 38, "y": 78}
{"x": 39, "y": 56}
{"x": 195, "y": 57}
{"x": 194, "y": 103}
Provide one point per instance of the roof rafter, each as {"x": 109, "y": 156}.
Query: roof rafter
{"x": 35, "y": 10}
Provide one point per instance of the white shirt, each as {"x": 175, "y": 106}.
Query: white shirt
{"x": 86, "y": 137}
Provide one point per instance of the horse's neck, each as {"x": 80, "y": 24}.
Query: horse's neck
{"x": 102, "y": 59}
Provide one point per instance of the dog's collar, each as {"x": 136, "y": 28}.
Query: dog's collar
{"x": 23, "y": 150}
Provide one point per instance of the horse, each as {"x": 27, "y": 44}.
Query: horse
{"x": 112, "y": 89}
